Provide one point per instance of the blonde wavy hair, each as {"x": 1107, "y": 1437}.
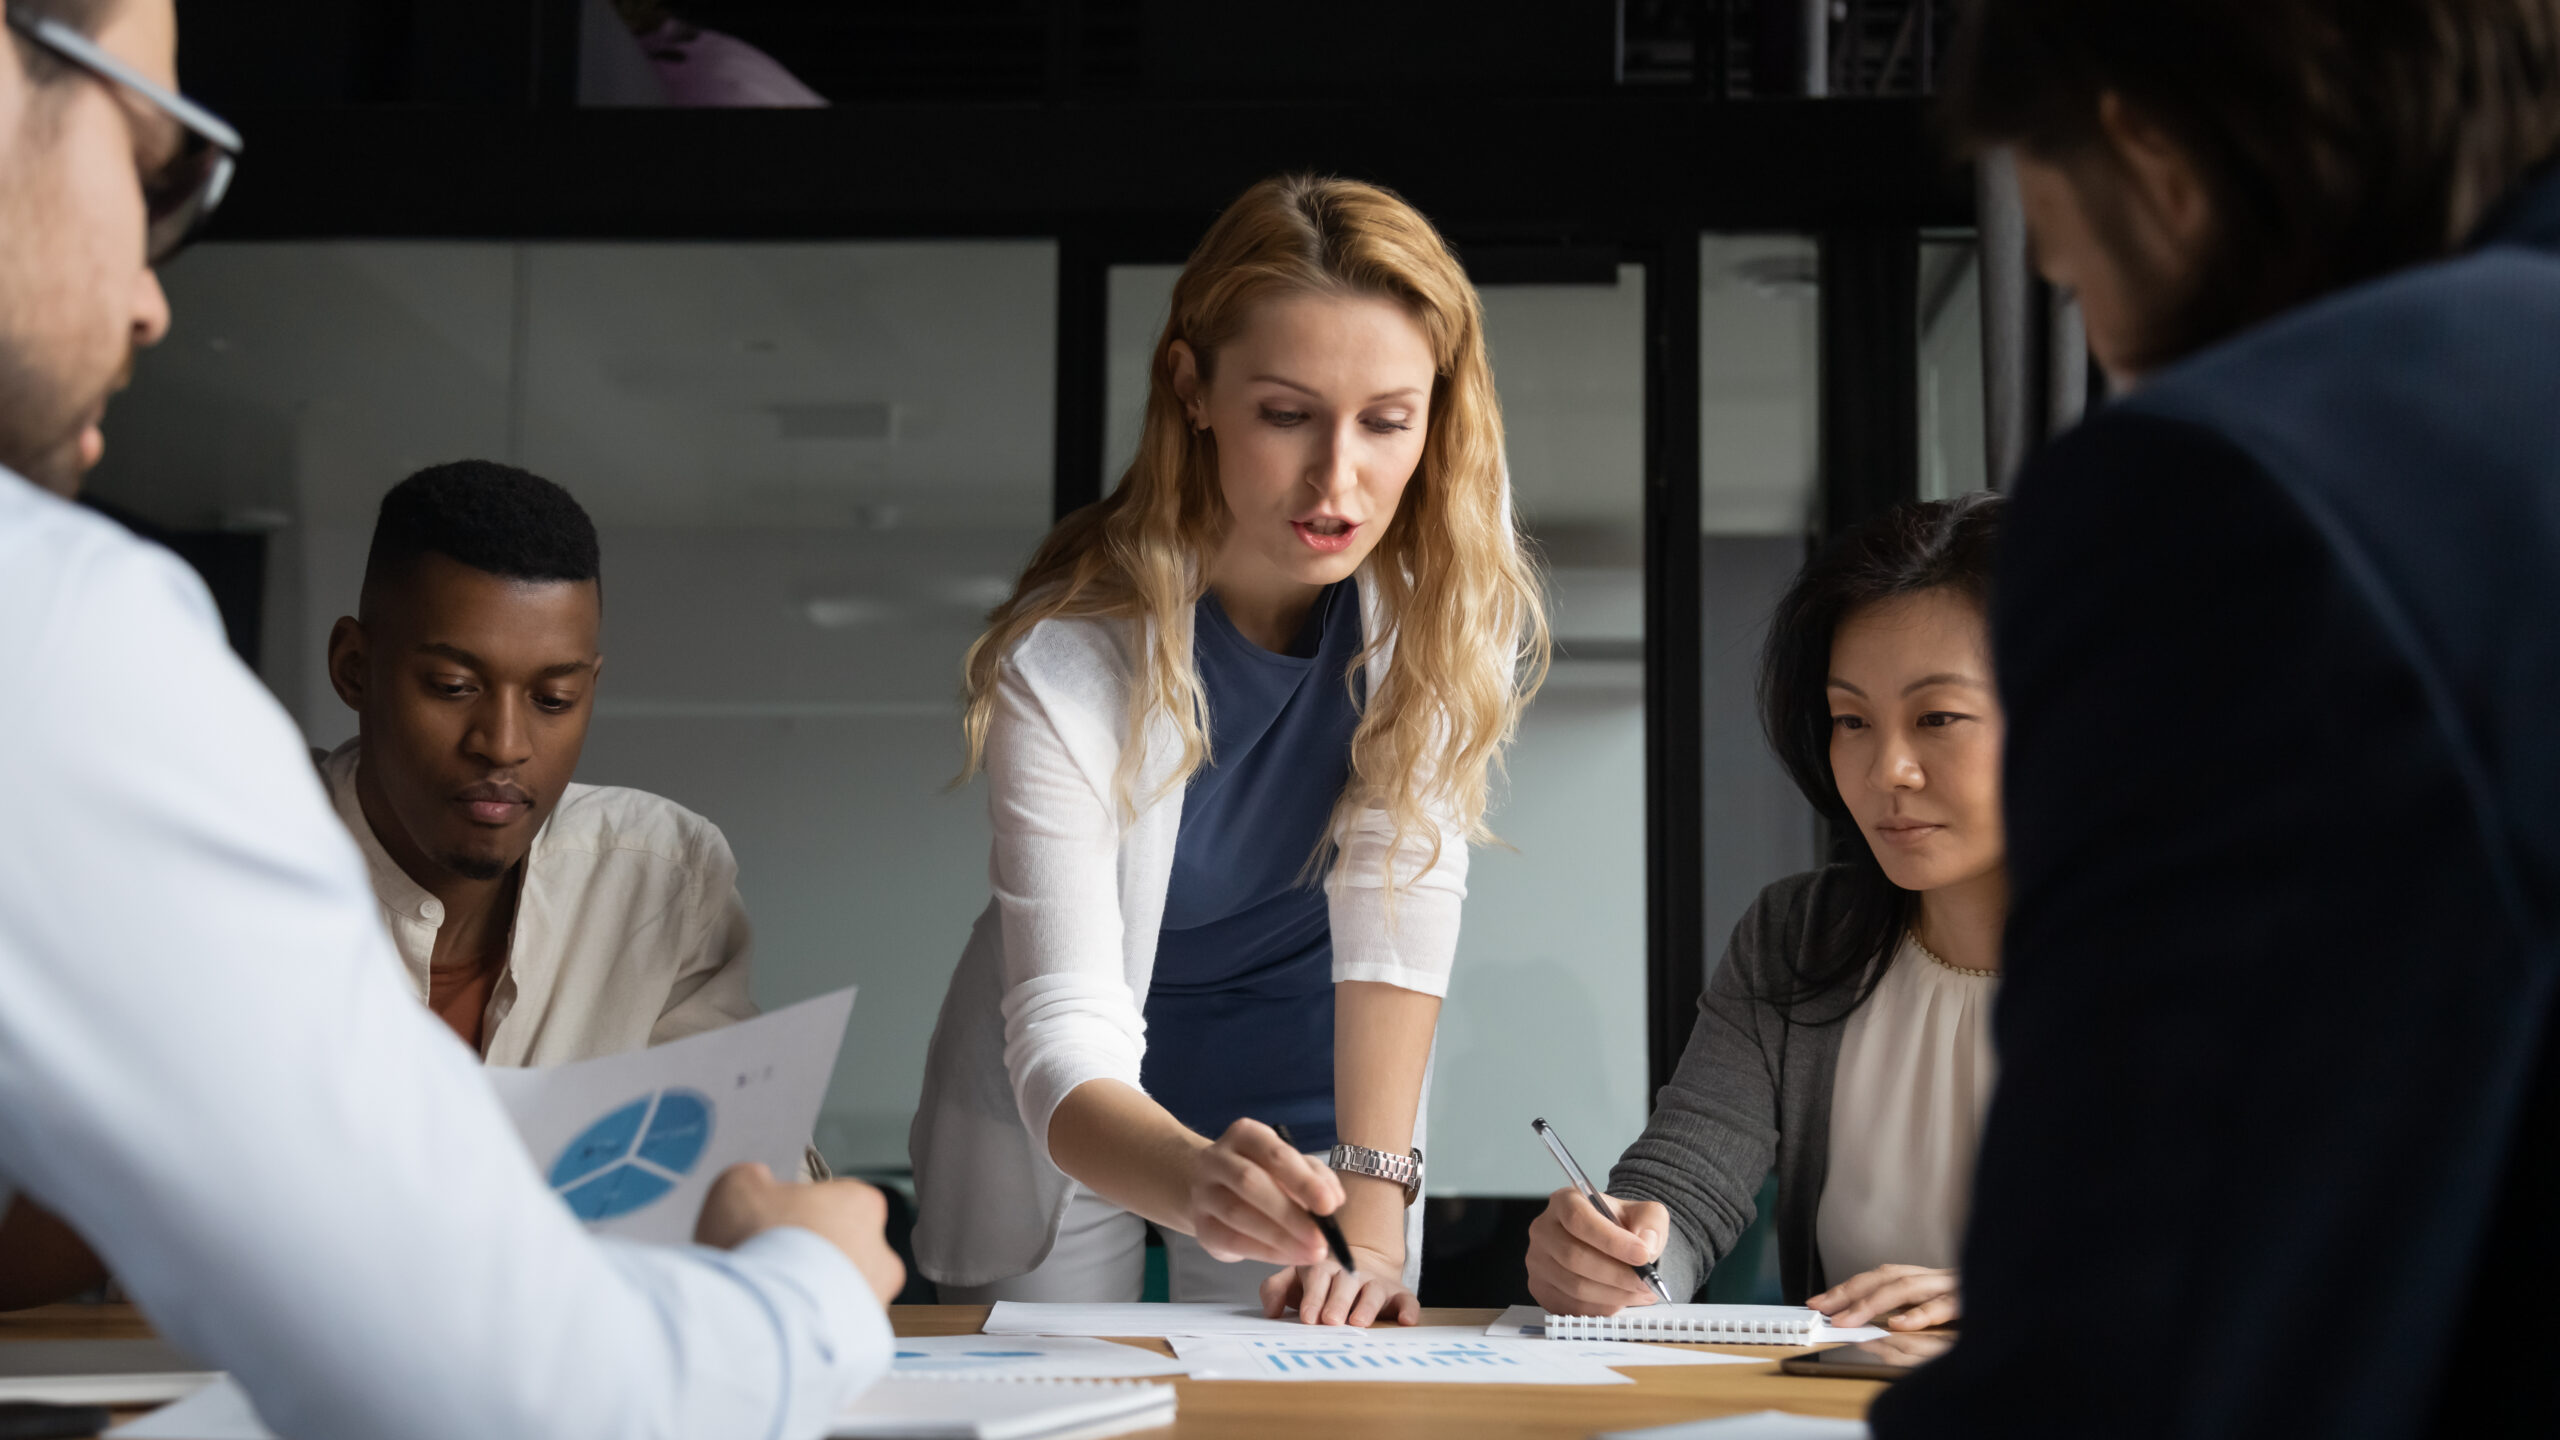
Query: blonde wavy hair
{"x": 1457, "y": 592}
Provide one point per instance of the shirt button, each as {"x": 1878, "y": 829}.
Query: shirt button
{"x": 432, "y": 911}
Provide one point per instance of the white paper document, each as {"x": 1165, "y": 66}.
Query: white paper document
{"x": 1622, "y": 1353}
{"x": 632, "y": 1142}
{"x": 1141, "y": 1320}
{"x": 898, "y": 1409}
{"x": 1026, "y": 1357}
{"x": 1608, "y": 1352}
{"x": 1443, "y": 1355}
{"x": 1762, "y": 1425}
{"x": 956, "y": 1408}
{"x": 99, "y": 1372}
{"x": 1530, "y": 1322}
{"x": 219, "y": 1411}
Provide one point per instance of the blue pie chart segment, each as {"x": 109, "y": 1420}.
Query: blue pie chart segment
{"x": 678, "y": 1132}
{"x": 604, "y": 1142}
{"x": 634, "y": 1155}
{"x": 618, "y": 1191}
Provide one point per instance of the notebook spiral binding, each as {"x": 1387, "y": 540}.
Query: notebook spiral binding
{"x": 1636, "y": 1324}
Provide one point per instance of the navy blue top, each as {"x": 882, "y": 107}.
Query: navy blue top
{"x": 1240, "y": 1013}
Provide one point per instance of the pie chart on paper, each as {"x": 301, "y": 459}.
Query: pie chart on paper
{"x": 634, "y": 1155}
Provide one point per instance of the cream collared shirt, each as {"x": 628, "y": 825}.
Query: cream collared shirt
{"x": 629, "y": 931}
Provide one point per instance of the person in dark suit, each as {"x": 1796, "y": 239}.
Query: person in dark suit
{"x": 2278, "y": 636}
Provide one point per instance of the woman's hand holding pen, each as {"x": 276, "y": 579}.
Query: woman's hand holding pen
{"x": 1906, "y": 1297}
{"x": 1251, "y": 1195}
{"x": 1580, "y": 1264}
{"x": 1325, "y": 1294}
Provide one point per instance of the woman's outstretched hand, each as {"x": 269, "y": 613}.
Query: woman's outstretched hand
{"x": 1580, "y": 1264}
{"x": 1325, "y": 1294}
{"x": 1908, "y": 1297}
{"x": 1251, "y": 1195}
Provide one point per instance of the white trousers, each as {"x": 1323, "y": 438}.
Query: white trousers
{"x": 1101, "y": 1256}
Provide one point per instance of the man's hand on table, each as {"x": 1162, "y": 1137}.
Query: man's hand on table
{"x": 746, "y": 1201}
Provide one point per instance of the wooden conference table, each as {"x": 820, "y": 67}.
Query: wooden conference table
{"x": 1298, "y": 1410}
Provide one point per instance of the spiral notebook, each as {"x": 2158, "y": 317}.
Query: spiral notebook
{"x": 1711, "y": 1324}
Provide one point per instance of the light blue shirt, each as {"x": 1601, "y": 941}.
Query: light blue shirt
{"x": 210, "y": 1064}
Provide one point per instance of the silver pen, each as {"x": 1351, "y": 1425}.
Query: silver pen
{"x": 1648, "y": 1271}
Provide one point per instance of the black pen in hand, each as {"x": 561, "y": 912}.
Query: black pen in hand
{"x": 1650, "y": 1273}
{"x": 1331, "y": 1229}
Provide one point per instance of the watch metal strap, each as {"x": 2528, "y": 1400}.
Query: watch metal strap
{"x": 1405, "y": 1170}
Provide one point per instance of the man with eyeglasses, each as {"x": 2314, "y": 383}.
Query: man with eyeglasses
{"x": 207, "y": 1061}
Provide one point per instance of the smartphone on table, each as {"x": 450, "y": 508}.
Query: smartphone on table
{"x": 1887, "y": 1357}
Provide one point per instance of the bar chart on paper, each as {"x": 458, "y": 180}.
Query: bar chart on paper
{"x": 1461, "y": 1359}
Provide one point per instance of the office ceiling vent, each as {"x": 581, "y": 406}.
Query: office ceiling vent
{"x": 874, "y": 420}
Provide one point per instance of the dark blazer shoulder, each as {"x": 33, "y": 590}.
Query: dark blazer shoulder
{"x": 2443, "y": 366}
{"x": 2412, "y": 427}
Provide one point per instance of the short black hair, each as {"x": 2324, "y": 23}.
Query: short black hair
{"x": 1911, "y": 549}
{"x": 494, "y": 518}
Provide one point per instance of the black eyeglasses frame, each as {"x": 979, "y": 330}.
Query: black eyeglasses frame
{"x": 214, "y": 147}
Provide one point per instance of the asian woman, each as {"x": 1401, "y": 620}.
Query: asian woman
{"x": 1846, "y": 1036}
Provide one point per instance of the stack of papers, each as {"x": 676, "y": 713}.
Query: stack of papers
{"x": 1004, "y": 1410}
{"x": 219, "y": 1411}
{"x": 99, "y": 1372}
{"x": 894, "y": 1409}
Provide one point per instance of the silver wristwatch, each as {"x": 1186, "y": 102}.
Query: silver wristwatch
{"x": 1405, "y": 1170}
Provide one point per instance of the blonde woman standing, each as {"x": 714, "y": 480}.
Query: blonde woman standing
{"x": 1237, "y": 722}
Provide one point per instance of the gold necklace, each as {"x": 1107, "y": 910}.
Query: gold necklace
{"x": 1940, "y": 961}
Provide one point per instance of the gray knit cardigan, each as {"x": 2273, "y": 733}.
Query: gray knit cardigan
{"x": 1753, "y": 1090}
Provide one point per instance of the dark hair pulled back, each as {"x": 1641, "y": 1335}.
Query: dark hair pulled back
{"x": 1909, "y": 550}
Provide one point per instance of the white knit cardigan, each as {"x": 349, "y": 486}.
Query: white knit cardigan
{"x": 1052, "y": 988}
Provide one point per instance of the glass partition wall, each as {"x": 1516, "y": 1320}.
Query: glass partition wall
{"x": 816, "y": 465}
{"x": 814, "y": 468}
{"x": 1952, "y": 430}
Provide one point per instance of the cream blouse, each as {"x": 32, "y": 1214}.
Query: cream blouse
{"x": 1907, "y": 1098}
